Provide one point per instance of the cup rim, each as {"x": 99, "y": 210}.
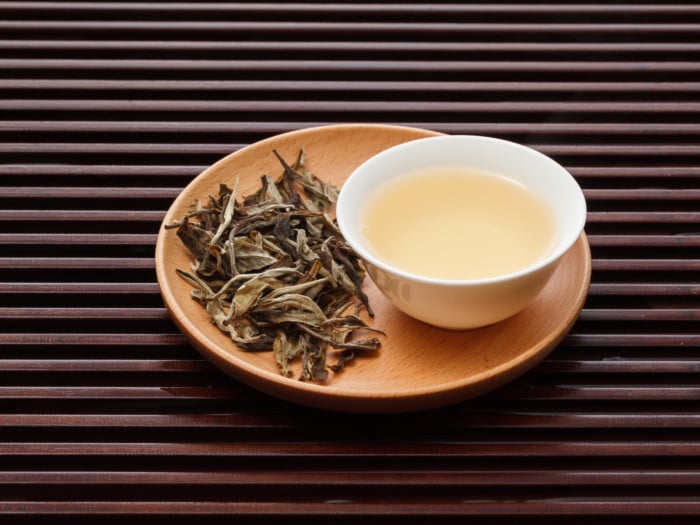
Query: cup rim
{"x": 570, "y": 236}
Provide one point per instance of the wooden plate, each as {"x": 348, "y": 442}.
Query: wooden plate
{"x": 418, "y": 366}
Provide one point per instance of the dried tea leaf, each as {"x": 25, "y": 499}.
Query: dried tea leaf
{"x": 343, "y": 357}
{"x": 195, "y": 239}
{"x": 320, "y": 195}
{"x": 249, "y": 293}
{"x": 286, "y": 351}
{"x": 313, "y": 363}
{"x": 251, "y": 254}
{"x": 274, "y": 272}
{"x": 291, "y": 308}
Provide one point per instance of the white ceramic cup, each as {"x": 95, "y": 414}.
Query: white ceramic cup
{"x": 463, "y": 304}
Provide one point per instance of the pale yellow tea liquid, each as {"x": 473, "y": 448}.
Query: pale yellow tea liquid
{"x": 452, "y": 223}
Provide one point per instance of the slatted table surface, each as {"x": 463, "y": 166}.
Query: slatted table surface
{"x": 107, "y": 110}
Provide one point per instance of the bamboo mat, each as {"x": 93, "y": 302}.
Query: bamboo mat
{"x": 107, "y": 110}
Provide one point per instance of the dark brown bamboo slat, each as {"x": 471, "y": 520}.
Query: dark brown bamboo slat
{"x": 621, "y": 366}
{"x": 554, "y": 507}
{"x": 39, "y": 192}
{"x": 658, "y": 366}
{"x": 517, "y": 419}
{"x": 118, "y": 148}
{"x": 315, "y": 479}
{"x": 644, "y": 217}
{"x": 466, "y": 447}
{"x": 356, "y": 29}
{"x": 660, "y": 265}
{"x": 641, "y": 288}
{"x": 345, "y": 66}
{"x": 109, "y": 109}
{"x": 636, "y": 171}
{"x": 201, "y": 127}
{"x": 640, "y": 314}
{"x": 343, "y": 46}
{"x": 88, "y": 263}
{"x": 688, "y": 240}
{"x": 384, "y": 106}
{"x": 91, "y": 239}
{"x": 328, "y": 8}
{"x": 116, "y": 288}
{"x": 523, "y": 88}
{"x": 208, "y": 393}
{"x": 643, "y": 340}
{"x": 76, "y": 215}
{"x": 82, "y": 339}
{"x": 107, "y": 365}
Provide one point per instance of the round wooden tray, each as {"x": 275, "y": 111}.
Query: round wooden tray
{"x": 418, "y": 366}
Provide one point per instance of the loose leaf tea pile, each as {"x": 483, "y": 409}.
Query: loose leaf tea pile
{"x": 274, "y": 272}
